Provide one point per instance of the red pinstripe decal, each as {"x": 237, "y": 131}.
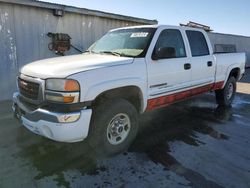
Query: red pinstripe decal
{"x": 218, "y": 85}
{"x": 170, "y": 99}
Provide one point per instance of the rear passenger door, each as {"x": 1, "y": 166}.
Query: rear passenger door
{"x": 202, "y": 60}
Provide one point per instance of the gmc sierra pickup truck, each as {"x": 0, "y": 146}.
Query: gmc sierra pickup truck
{"x": 98, "y": 95}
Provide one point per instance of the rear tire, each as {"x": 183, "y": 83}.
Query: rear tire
{"x": 114, "y": 125}
{"x": 225, "y": 96}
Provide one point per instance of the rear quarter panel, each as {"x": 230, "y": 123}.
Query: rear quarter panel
{"x": 226, "y": 63}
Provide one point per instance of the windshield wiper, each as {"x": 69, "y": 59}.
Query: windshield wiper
{"x": 88, "y": 51}
{"x": 110, "y": 52}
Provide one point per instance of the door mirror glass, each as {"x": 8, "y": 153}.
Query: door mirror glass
{"x": 164, "y": 53}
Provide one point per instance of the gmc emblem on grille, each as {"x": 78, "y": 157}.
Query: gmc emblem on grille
{"x": 23, "y": 83}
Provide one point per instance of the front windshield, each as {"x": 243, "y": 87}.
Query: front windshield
{"x": 132, "y": 42}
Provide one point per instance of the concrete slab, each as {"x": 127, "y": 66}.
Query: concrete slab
{"x": 190, "y": 144}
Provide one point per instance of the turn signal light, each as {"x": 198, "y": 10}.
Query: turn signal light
{"x": 68, "y": 99}
{"x": 63, "y": 98}
{"x": 71, "y": 85}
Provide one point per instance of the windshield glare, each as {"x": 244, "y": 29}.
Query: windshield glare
{"x": 125, "y": 42}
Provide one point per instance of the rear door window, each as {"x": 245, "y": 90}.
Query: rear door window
{"x": 198, "y": 43}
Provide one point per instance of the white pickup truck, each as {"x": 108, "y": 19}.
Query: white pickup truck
{"x": 98, "y": 95}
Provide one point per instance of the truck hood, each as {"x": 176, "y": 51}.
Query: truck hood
{"x": 62, "y": 67}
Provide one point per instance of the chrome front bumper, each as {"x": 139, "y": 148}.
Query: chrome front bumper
{"x": 63, "y": 127}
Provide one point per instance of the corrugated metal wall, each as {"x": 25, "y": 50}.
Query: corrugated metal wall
{"x": 242, "y": 43}
{"x": 24, "y": 26}
{"x": 23, "y": 35}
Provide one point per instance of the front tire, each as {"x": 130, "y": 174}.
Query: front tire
{"x": 114, "y": 125}
{"x": 225, "y": 96}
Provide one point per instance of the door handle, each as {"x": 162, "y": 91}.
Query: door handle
{"x": 187, "y": 66}
{"x": 209, "y": 63}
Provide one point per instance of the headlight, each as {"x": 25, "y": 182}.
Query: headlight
{"x": 62, "y": 90}
{"x": 62, "y": 85}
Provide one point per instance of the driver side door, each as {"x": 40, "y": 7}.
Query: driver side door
{"x": 172, "y": 74}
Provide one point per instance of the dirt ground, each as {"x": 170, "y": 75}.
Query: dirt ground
{"x": 189, "y": 144}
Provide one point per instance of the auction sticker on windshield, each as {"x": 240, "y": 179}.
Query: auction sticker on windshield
{"x": 139, "y": 34}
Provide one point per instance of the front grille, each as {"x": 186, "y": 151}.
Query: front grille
{"x": 28, "y": 89}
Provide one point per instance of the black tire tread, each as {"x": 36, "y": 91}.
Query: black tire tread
{"x": 221, "y": 98}
{"x": 97, "y": 133}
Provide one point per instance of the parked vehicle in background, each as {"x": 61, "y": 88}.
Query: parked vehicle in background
{"x": 98, "y": 95}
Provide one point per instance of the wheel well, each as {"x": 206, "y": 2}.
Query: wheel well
{"x": 130, "y": 93}
{"x": 235, "y": 73}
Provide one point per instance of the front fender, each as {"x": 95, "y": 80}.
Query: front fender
{"x": 97, "y": 89}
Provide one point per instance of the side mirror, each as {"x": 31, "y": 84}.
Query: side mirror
{"x": 164, "y": 53}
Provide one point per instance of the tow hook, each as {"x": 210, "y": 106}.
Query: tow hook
{"x": 17, "y": 112}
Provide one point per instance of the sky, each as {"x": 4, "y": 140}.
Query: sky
{"x": 223, "y": 16}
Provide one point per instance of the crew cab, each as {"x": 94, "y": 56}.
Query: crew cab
{"x": 98, "y": 95}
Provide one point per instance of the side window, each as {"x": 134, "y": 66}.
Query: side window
{"x": 198, "y": 43}
{"x": 171, "y": 40}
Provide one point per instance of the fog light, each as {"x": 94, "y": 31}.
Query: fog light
{"x": 69, "y": 118}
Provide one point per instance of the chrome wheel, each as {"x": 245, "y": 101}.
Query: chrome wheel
{"x": 118, "y": 129}
{"x": 230, "y": 91}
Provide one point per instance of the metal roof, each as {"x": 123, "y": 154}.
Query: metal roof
{"x": 84, "y": 11}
